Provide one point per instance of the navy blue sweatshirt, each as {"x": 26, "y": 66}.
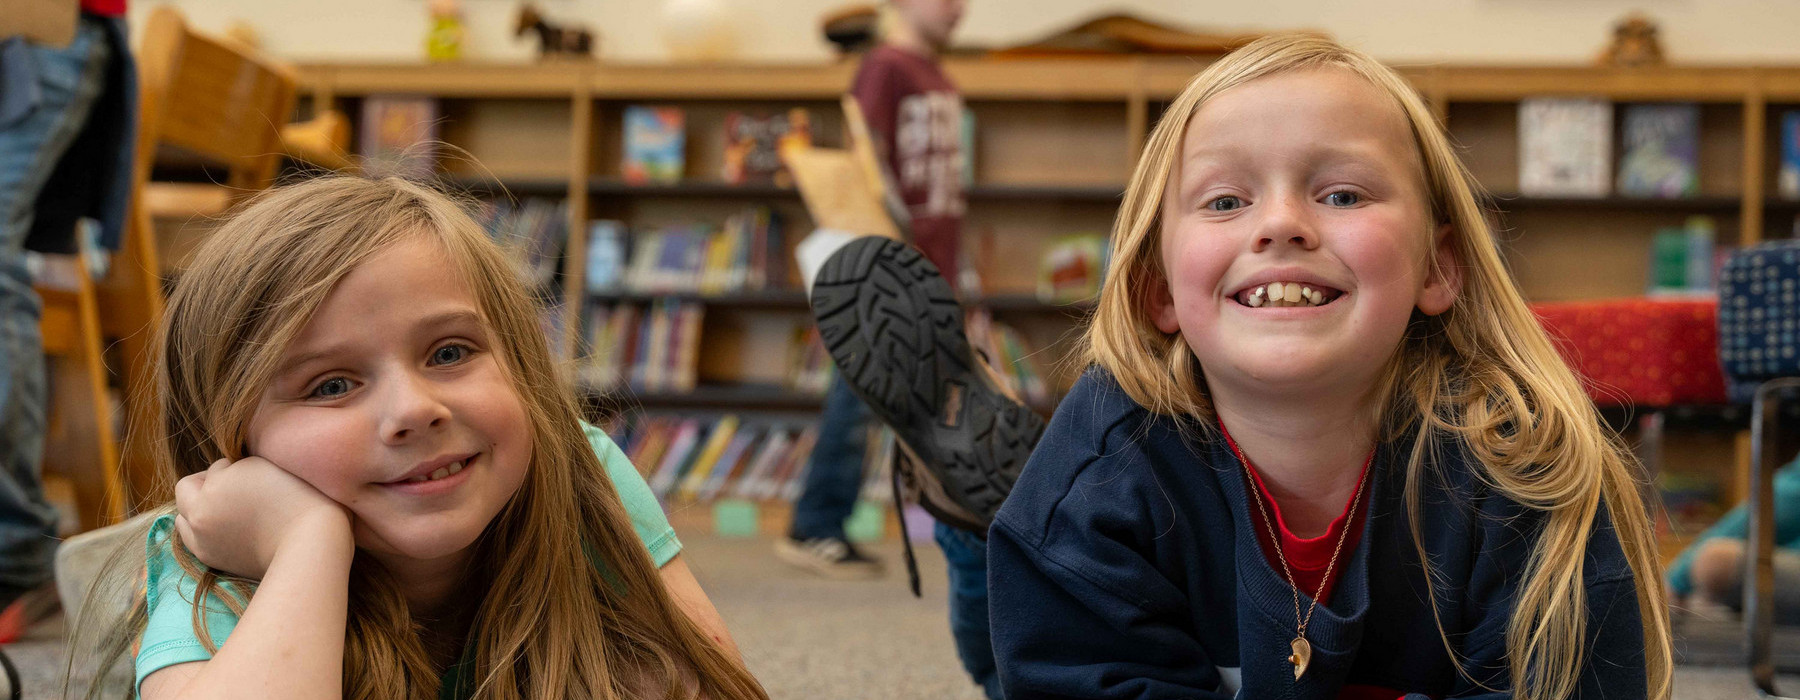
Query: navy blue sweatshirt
{"x": 1123, "y": 565}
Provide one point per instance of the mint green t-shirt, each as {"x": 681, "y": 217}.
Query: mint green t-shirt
{"x": 169, "y": 637}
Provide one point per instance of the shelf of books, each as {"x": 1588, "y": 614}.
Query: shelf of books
{"x": 649, "y": 204}
{"x": 739, "y": 474}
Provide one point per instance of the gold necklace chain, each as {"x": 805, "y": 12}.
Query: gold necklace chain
{"x": 1275, "y": 539}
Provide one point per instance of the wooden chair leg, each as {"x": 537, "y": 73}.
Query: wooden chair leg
{"x": 86, "y": 449}
{"x": 1759, "y": 562}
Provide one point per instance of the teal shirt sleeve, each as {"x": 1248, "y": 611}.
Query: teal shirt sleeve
{"x": 640, "y": 502}
{"x": 1736, "y": 524}
{"x": 169, "y": 637}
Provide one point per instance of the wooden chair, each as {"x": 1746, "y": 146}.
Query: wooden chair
{"x": 203, "y": 101}
{"x": 81, "y": 456}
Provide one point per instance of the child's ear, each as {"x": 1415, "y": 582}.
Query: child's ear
{"x": 1160, "y": 304}
{"x": 1443, "y": 280}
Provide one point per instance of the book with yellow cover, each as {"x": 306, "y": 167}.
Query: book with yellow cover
{"x": 709, "y": 456}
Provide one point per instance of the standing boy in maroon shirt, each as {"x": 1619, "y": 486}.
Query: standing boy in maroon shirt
{"x": 915, "y": 116}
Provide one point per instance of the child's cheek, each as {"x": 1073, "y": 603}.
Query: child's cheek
{"x": 1196, "y": 266}
{"x": 320, "y": 448}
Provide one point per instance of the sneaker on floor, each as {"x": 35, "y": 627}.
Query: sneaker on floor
{"x": 895, "y": 331}
{"x": 829, "y": 557}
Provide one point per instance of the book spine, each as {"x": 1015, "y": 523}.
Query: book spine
{"x": 687, "y": 356}
{"x": 674, "y": 462}
{"x": 1788, "y": 181}
{"x": 708, "y": 458}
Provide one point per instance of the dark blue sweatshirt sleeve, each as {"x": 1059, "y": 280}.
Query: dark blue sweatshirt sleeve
{"x": 1059, "y": 633}
{"x": 1613, "y": 656}
{"x": 1613, "y": 665}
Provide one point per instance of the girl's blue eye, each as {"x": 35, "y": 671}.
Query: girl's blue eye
{"x": 331, "y": 388}
{"x": 449, "y": 354}
{"x": 1342, "y": 198}
{"x": 1225, "y": 203}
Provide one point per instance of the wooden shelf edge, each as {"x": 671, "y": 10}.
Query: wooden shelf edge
{"x": 1090, "y": 79}
{"x": 606, "y": 186}
{"x": 1506, "y": 200}
{"x": 796, "y": 299}
{"x": 749, "y": 397}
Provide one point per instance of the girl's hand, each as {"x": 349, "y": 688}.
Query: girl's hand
{"x": 235, "y": 516}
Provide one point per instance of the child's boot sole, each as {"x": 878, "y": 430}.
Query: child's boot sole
{"x": 895, "y": 331}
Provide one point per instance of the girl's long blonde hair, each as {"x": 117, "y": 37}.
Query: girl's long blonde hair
{"x": 568, "y": 601}
{"x": 1484, "y": 372}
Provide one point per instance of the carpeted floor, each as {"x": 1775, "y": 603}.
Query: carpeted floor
{"x": 805, "y": 637}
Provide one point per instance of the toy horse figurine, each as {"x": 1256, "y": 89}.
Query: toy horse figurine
{"x": 554, "y": 41}
{"x": 1635, "y": 43}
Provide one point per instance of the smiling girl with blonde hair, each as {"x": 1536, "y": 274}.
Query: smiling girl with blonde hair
{"x": 1325, "y": 450}
{"x": 385, "y": 489}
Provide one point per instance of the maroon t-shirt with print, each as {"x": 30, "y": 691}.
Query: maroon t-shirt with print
{"x": 915, "y": 117}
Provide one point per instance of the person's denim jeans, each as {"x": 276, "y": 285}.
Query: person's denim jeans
{"x": 834, "y": 473}
{"x": 965, "y": 557}
{"x": 41, "y": 119}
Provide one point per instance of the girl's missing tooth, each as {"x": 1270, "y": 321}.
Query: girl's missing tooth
{"x": 384, "y": 486}
{"x": 1314, "y": 381}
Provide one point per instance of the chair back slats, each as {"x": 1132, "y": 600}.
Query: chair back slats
{"x": 216, "y": 100}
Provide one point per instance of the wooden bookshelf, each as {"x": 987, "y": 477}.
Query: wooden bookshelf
{"x": 1055, "y": 143}
{"x": 523, "y": 123}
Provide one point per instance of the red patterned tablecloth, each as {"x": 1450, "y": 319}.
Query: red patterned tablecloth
{"x": 1646, "y": 352}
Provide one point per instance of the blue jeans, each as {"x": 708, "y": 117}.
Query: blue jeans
{"x": 34, "y": 133}
{"x": 835, "y": 469}
{"x": 965, "y": 557}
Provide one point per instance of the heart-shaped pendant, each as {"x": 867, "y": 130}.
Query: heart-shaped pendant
{"x": 1302, "y": 654}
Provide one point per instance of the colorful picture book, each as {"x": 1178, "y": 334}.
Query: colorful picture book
{"x": 753, "y": 145}
{"x": 655, "y": 145}
{"x": 1072, "y": 268}
{"x": 1788, "y": 177}
{"x": 1661, "y": 151}
{"x": 399, "y": 136}
{"x": 1565, "y": 147}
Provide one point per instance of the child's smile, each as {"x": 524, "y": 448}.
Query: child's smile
{"x": 1295, "y": 235}
{"x": 1279, "y": 290}
{"x": 393, "y": 402}
{"x": 434, "y": 476}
